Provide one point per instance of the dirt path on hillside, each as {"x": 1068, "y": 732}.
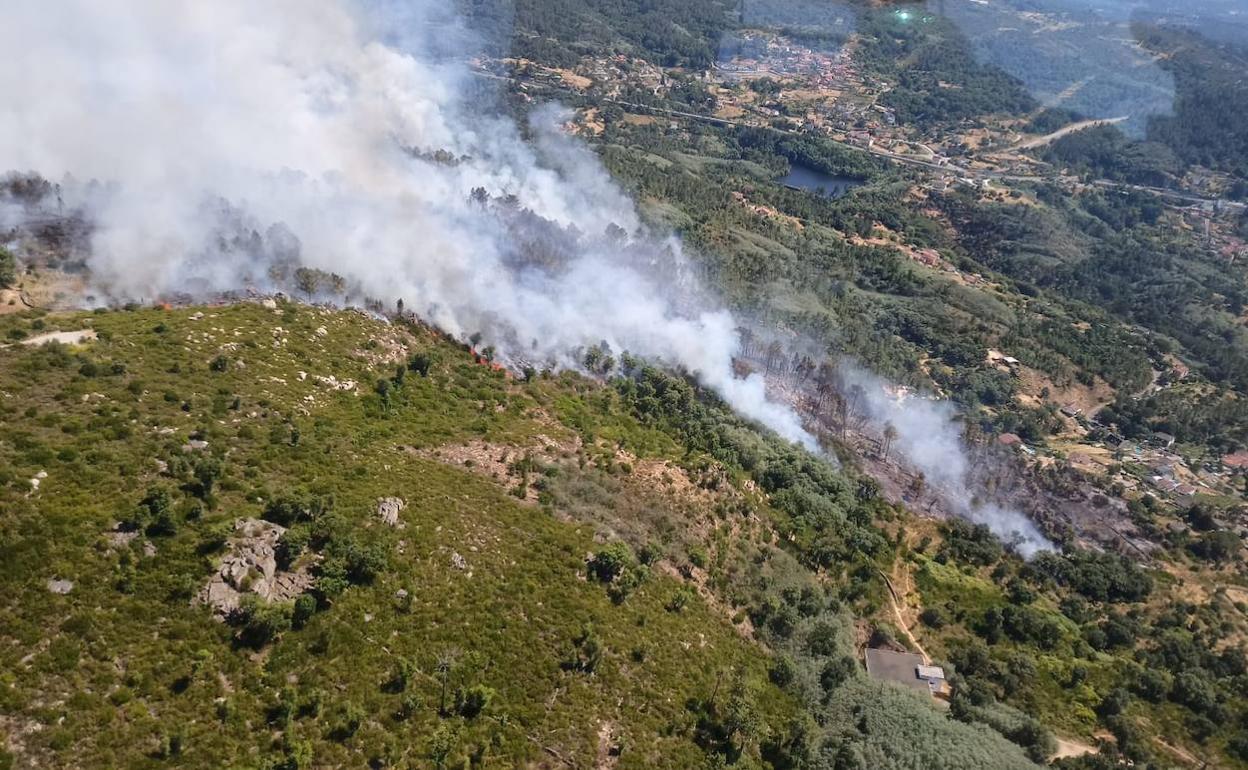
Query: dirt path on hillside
{"x": 1070, "y": 748}
{"x": 901, "y": 577}
{"x": 1181, "y": 754}
{"x": 65, "y": 338}
{"x": 606, "y": 759}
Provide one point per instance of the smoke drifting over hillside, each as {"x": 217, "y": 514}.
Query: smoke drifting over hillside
{"x": 233, "y": 141}
{"x": 929, "y": 439}
{"x": 229, "y": 143}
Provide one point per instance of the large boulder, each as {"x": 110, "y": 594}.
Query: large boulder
{"x": 388, "y": 508}
{"x": 250, "y": 566}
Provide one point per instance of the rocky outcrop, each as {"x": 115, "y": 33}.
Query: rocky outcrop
{"x": 388, "y": 508}
{"x": 250, "y": 566}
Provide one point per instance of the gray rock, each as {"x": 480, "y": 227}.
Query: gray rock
{"x": 388, "y": 509}
{"x": 58, "y": 586}
{"x": 120, "y": 538}
{"x": 250, "y": 566}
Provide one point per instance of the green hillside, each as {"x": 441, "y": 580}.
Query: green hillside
{"x": 122, "y": 669}
{"x": 443, "y": 564}
{"x": 271, "y": 535}
{"x": 500, "y": 622}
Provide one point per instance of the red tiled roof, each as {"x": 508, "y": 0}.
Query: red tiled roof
{"x": 1236, "y": 460}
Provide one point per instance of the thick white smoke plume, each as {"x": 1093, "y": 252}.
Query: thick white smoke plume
{"x": 233, "y": 140}
{"x": 929, "y": 439}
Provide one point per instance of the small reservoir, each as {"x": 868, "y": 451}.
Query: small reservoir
{"x": 827, "y": 185}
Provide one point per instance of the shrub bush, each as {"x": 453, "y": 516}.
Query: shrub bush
{"x": 472, "y": 701}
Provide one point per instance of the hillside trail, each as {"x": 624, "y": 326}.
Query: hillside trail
{"x": 1181, "y": 754}
{"x": 64, "y": 338}
{"x": 605, "y": 758}
{"x": 1068, "y": 748}
{"x": 900, "y": 585}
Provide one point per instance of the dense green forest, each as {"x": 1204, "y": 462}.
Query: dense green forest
{"x": 559, "y": 32}
{"x": 1106, "y": 251}
{"x": 868, "y": 300}
{"x": 1102, "y": 257}
{"x": 1204, "y": 128}
{"x": 1105, "y": 152}
{"x": 1210, "y": 98}
{"x": 938, "y": 80}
